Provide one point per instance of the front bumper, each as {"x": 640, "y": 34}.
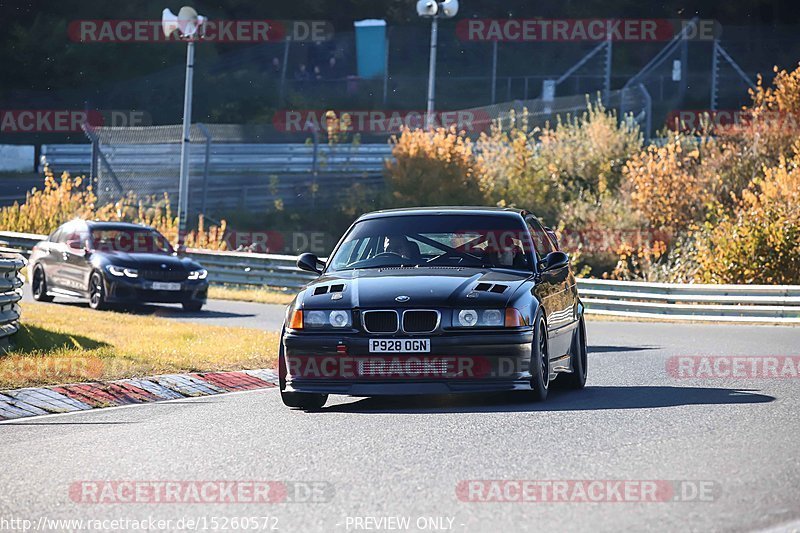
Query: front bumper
{"x": 137, "y": 291}
{"x": 458, "y": 362}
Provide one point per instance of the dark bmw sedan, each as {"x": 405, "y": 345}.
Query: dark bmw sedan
{"x": 115, "y": 262}
{"x": 432, "y": 301}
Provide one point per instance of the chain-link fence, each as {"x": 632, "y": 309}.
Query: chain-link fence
{"x": 234, "y": 168}
{"x": 231, "y": 168}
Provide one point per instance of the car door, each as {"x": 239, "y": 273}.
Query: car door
{"x": 555, "y": 291}
{"x": 50, "y": 260}
{"x": 75, "y": 268}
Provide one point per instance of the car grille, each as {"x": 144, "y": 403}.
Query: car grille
{"x": 380, "y": 321}
{"x": 386, "y": 368}
{"x": 163, "y": 275}
{"x": 420, "y": 321}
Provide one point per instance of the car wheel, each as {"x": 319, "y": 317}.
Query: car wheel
{"x": 39, "y": 286}
{"x": 299, "y": 400}
{"x": 578, "y": 359}
{"x": 194, "y": 307}
{"x": 97, "y": 292}
{"x": 540, "y": 363}
{"x": 303, "y": 400}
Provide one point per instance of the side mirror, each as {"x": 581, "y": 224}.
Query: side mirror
{"x": 554, "y": 261}
{"x": 76, "y": 246}
{"x": 310, "y": 263}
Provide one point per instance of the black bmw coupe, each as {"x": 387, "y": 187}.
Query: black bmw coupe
{"x": 432, "y": 301}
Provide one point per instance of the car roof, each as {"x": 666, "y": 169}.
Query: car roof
{"x": 103, "y": 224}
{"x": 93, "y": 224}
{"x": 445, "y": 210}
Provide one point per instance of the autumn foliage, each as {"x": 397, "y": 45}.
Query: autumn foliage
{"x": 65, "y": 198}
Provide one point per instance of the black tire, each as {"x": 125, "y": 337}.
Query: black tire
{"x": 540, "y": 363}
{"x": 297, "y": 400}
{"x": 578, "y": 359}
{"x": 97, "y": 292}
{"x": 39, "y": 286}
{"x": 193, "y": 307}
{"x": 303, "y": 400}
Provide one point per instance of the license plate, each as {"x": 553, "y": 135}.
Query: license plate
{"x": 399, "y": 345}
{"x": 163, "y": 286}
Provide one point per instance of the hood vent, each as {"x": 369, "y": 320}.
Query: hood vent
{"x": 488, "y": 287}
{"x": 324, "y": 289}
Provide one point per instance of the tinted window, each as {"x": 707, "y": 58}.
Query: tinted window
{"x": 541, "y": 241}
{"x": 130, "y": 240}
{"x": 435, "y": 240}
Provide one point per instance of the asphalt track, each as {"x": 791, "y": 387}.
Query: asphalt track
{"x": 730, "y": 443}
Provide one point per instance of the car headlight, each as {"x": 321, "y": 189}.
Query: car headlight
{"x": 327, "y": 319}
{"x": 470, "y": 318}
{"x": 121, "y": 271}
{"x": 198, "y": 274}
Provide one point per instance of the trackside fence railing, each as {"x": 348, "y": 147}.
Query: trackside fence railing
{"x": 11, "y": 265}
{"x": 665, "y": 301}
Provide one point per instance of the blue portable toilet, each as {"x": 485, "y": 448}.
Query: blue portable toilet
{"x": 370, "y": 47}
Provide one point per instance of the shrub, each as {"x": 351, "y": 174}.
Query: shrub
{"x": 45, "y": 209}
{"x": 587, "y": 153}
{"x": 433, "y": 167}
{"x": 665, "y": 186}
{"x": 61, "y": 200}
{"x": 543, "y": 168}
{"x": 760, "y": 241}
{"x": 511, "y": 171}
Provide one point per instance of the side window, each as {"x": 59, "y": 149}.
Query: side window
{"x": 55, "y": 235}
{"x": 85, "y": 238}
{"x": 541, "y": 242}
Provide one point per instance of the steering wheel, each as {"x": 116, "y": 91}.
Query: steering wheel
{"x": 456, "y": 254}
{"x": 387, "y": 254}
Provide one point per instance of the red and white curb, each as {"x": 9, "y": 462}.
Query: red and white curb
{"x": 20, "y": 403}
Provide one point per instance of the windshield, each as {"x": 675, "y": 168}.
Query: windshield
{"x": 482, "y": 241}
{"x": 130, "y": 240}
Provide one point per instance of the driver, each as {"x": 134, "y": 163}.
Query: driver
{"x": 397, "y": 244}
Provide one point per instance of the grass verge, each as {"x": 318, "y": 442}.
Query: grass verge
{"x": 261, "y": 295}
{"x": 111, "y": 345}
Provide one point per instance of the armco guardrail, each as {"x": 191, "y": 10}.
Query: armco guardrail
{"x": 10, "y": 294}
{"x": 687, "y": 301}
{"x": 734, "y": 303}
{"x": 226, "y": 158}
{"x": 241, "y": 268}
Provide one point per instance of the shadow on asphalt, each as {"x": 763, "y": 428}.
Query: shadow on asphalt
{"x": 610, "y": 349}
{"x": 167, "y": 311}
{"x": 177, "y": 312}
{"x": 589, "y": 399}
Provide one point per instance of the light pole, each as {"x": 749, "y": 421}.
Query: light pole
{"x": 434, "y": 10}
{"x": 189, "y": 26}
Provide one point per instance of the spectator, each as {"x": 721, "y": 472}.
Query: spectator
{"x": 302, "y": 74}
{"x": 317, "y": 73}
{"x": 276, "y": 66}
{"x": 332, "y": 69}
